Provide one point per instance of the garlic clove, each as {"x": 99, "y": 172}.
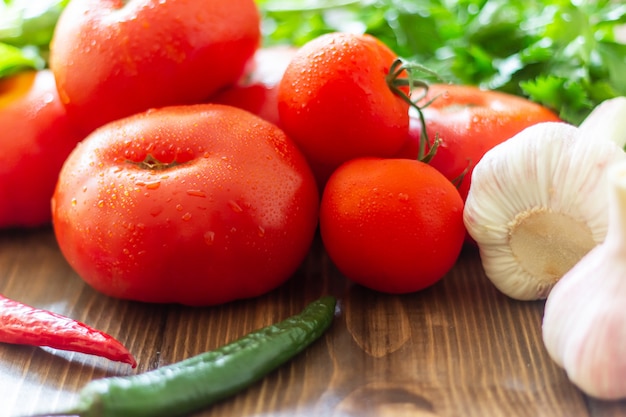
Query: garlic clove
{"x": 537, "y": 205}
{"x": 607, "y": 120}
{"x": 584, "y": 323}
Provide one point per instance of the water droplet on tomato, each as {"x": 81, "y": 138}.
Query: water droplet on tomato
{"x": 100, "y": 203}
{"x": 403, "y": 197}
{"x": 186, "y": 217}
{"x": 209, "y": 237}
{"x": 156, "y": 210}
{"x": 153, "y": 185}
{"x": 74, "y": 201}
{"x": 196, "y": 193}
{"x": 261, "y": 231}
{"x": 234, "y": 206}
{"x": 48, "y": 98}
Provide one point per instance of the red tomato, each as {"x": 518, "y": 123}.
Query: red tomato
{"x": 257, "y": 91}
{"x": 392, "y": 225}
{"x": 197, "y": 205}
{"x": 335, "y": 100}
{"x": 36, "y": 138}
{"x": 470, "y": 121}
{"x": 113, "y": 58}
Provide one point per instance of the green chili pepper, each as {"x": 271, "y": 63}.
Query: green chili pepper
{"x": 199, "y": 381}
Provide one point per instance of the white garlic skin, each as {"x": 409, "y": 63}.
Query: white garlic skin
{"x": 550, "y": 168}
{"x": 584, "y": 323}
{"x": 607, "y": 121}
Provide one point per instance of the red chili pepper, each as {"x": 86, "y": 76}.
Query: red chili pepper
{"x": 25, "y": 325}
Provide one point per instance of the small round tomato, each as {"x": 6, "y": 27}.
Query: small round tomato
{"x": 468, "y": 122}
{"x": 115, "y": 58}
{"x": 257, "y": 91}
{"x": 36, "y": 138}
{"x": 392, "y": 225}
{"x": 198, "y": 205}
{"x": 337, "y": 102}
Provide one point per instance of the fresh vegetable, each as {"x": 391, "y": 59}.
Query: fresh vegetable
{"x": 257, "y": 91}
{"x": 538, "y": 204}
{"x": 197, "y": 382}
{"x": 569, "y": 56}
{"x": 584, "y": 323}
{"x": 198, "y": 205}
{"x": 565, "y": 55}
{"x": 608, "y": 120}
{"x": 25, "y": 325}
{"x": 37, "y": 136}
{"x": 26, "y": 28}
{"x": 112, "y": 59}
{"x": 467, "y": 122}
{"x": 392, "y": 225}
{"x": 337, "y": 100}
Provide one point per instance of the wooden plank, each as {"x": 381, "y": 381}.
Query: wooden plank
{"x": 460, "y": 348}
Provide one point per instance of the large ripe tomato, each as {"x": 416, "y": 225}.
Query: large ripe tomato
{"x": 335, "y": 100}
{"x": 257, "y": 90}
{"x": 113, "y": 58}
{"x": 392, "y": 225}
{"x": 470, "y": 121}
{"x": 36, "y": 138}
{"x": 198, "y": 205}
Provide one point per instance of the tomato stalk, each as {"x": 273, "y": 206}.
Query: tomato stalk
{"x": 152, "y": 163}
{"x": 397, "y": 81}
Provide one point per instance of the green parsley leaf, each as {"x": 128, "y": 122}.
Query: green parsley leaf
{"x": 562, "y": 53}
{"x": 13, "y": 59}
{"x": 26, "y": 28}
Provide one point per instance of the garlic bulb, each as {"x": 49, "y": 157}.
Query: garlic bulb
{"x": 584, "y": 323}
{"x": 607, "y": 120}
{"x": 537, "y": 205}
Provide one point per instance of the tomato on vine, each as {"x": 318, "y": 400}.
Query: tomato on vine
{"x": 392, "y": 225}
{"x": 467, "y": 121}
{"x": 338, "y": 99}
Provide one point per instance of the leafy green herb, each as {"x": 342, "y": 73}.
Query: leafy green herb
{"x": 13, "y": 59}
{"x": 562, "y": 53}
{"x": 26, "y": 27}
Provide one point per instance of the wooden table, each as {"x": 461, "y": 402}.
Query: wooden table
{"x": 457, "y": 349}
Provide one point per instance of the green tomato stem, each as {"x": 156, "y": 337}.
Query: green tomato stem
{"x": 396, "y": 81}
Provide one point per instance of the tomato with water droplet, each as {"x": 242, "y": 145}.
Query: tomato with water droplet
{"x": 233, "y": 216}
{"x": 338, "y": 99}
{"x": 257, "y": 90}
{"x": 468, "y": 121}
{"x": 36, "y": 137}
{"x": 115, "y": 58}
{"x": 392, "y": 225}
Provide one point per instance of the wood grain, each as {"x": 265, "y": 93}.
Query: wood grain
{"x": 459, "y": 348}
